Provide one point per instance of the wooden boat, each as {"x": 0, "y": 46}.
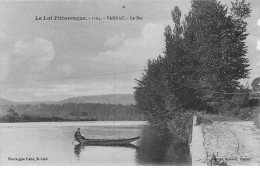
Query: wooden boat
{"x": 108, "y": 142}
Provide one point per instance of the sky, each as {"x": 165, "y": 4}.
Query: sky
{"x": 55, "y": 59}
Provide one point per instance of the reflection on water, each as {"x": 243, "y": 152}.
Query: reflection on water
{"x": 156, "y": 147}
{"x": 159, "y": 147}
{"x": 78, "y": 148}
{"x": 81, "y": 147}
{"x": 52, "y": 140}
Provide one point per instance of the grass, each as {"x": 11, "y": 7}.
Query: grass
{"x": 249, "y": 113}
{"x": 210, "y": 118}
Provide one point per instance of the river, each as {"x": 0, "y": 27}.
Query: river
{"x": 50, "y": 143}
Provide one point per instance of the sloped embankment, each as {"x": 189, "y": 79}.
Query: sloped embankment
{"x": 234, "y": 142}
{"x": 237, "y": 143}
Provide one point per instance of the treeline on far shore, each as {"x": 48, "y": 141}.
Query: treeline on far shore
{"x": 69, "y": 112}
{"x": 31, "y": 118}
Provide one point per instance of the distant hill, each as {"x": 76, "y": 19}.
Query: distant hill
{"x": 124, "y": 99}
{"x": 4, "y": 101}
{"x": 114, "y": 107}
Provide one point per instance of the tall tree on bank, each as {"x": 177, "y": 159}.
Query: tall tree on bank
{"x": 215, "y": 39}
{"x": 206, "y": 51}
{"x": 150, "y": 92}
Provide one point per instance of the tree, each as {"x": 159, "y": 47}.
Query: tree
{"x": 215, "y": 39}
{"x": 12, "y": 112}
{"x": 150, "y": 92}
{"x": 204, "y": 53}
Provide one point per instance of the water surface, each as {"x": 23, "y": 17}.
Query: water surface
{"x": 50, "y": 143}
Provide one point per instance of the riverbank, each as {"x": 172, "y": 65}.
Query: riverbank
{"x": 237, "y": 143}
{"x": 231, "y": 140}
{"x": 30, "y": 118}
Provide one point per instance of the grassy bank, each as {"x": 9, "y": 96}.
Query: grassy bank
{"x": 210, "y": 118}
{"x": 245, "y": 114}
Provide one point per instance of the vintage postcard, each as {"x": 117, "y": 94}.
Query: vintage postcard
{"x": 129, "y": 83}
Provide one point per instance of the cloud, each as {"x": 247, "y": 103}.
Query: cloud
{"x": 258, "y": 45}
{"x": 52, "y": 91}
{"x": 258, "y": 22}
{"x": 65, "y": 68}
{"x": 133, "y": 53}
{"x": 2, "y": 37}
{"x": 39, "y": 50}
{"x": 4, "y": 60}
{"x": 35, "y": 60}
{"x": 4, "y": 57}
{"x": 89, "y": 88}
{"x": 115, "y": 40}
{"x": 26, "y": 59}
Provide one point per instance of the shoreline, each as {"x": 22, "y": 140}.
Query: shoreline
{"x": 76, "y": 121}
{"x": 31, "y": 118}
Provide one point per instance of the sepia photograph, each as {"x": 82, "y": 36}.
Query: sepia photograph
{"x": 130, "y": 83}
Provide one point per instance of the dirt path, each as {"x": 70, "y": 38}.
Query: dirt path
{"x": 237, "y": 142}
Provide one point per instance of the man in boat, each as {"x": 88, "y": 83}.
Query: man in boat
{"x": 78, "y": 135}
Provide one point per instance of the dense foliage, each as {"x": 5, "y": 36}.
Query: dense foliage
{"x": 203, "y": 53}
